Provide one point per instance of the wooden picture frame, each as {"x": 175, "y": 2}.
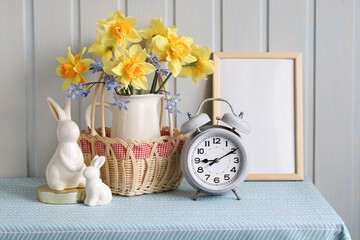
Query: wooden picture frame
{"x": 281, "y": 73}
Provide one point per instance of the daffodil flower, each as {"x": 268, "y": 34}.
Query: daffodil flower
{"x": 108, "y": 66}
{"x": 70, "y": 68}
{"x": 175, "y": 50}
{"x": 132, "y": 69}
{"x": 119, "y": 30}
{"x": 157, "y": 29}
{"x": 98, "y": 49}
{"x": 201, "y": 67}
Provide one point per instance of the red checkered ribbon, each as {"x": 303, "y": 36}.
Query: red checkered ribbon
{"x": 165, "y": 149}
{"x": 86, "y": 146}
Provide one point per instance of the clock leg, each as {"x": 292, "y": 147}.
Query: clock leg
{"x": 196, "y": 195}
{"x": 237, "y": 196}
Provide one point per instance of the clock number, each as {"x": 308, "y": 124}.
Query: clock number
{"x": 226, "y": 143}
{"x": 216, "y": 140}
{"x": 216, "y": 180}
{"x": 236, "y": 160}
{"x": 207, "y": 143}
{"x": 233, "y": 150}
{"x": 233, "y": 169}
{"x": 200, "y": 170}
{"x": 227, "y": 177}
{"x": 200, "y": 151}
{"x": 197, "y": 160}
{"x": 207, "y": 176}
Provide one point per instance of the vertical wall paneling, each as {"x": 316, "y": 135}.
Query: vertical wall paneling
{"x": 335, "y": 129}
{"x": 12, "y": 91}
{"x": 90, "y": 12}
{"x": 291, "y": 29}
{"x": 52, "y": 36}
{"x": 327, "y": 32}
{"x": 28, "y": 43}
{"x": 159, "y": 9}
{"x": 355, "y": 180}
{"x": 194, "y": 18}
{"x": 244, "y": 26}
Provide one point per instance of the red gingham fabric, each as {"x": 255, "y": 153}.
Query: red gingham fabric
{"x": 165, "y": 149}
{"x": 86, "y": 146}
{"x": 164, "y": 133}
{"x": 100, "y": 148}
{"x": 181, "y": 144}
{"x": 119, "y": 150}
{"x": 141, "y": 151}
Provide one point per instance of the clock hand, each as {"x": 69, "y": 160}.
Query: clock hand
{"x": 218, "y": 159}
{"x": 207, "y": 160}
{"x": 231, "y": 152}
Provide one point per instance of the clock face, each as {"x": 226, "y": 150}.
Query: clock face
{"x": 216, "y": 160}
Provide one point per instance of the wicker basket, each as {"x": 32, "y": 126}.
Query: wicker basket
{"x": 134, "y": 167}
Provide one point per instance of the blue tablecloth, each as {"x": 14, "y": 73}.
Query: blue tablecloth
{"x": 267, "y": 210}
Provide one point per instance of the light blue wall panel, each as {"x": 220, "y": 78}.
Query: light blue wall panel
{"x": 13, "y": 147}
{"x": 326, "y": 32}
{"x": 54, "y": 25}
{"x": 336, "y": 126}
{"x": 291, "y": 29}
{"x": 198, "y": 22}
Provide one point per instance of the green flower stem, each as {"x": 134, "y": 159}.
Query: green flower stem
{"x": 163, "y": 84}
{"x": 153, "y": 86}
{"x": 131, "y": 89}
{"x": 141, "y": 91}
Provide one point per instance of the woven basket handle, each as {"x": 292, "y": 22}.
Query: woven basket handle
{"x": 102, "y": 107}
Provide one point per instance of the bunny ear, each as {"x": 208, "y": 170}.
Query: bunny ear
{"x": 67, "y": 108}
{"x": 98, "y": 161}
{"x": 58, "y": 113}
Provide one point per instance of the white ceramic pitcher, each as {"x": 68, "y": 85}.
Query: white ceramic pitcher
{"x": 140, "y": 121}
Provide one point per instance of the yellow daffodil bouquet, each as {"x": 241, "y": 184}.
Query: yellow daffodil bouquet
{"x": 125, "y": 63}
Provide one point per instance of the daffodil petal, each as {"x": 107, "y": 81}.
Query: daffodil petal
{"x": 146, "y": 33}
{"x": 157, "y": 24}
{"x": 189, "y": 59}
{"x": 134, "y": 36}
{"x": 125, "y": 81}
{"x": 195, "y": 77}
{"x": 66, "y": 84}
{"x": 107, "y": 40}
{"x": 97, "y": 48}
{"x": 140, "y": 56}
{"x": 59, "y": 70}
{"x": 206, "y": 67}
{"x": 148, "y": 68}
{"x": 108, "y": 67}
{"x": 107, "y": 56}
{"x": 185, "y": 72}
{"x": 118, "y": 69}
{"x": 70, "y": 56}
{"x": 87, "y": 62}
{"x": 131, "y": 21}
{"x": 140, "y": 83}
{"x": 134, "y": 49}
{"x": 159, "y": 44}
{"x": 204, "y": 53}
{"x": 62, "y": 60}
{"x": 118, "y": 15}
{"x": 175, "y": 66}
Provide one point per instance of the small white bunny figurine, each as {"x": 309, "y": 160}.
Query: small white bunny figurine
{"x": 97, "y": 192}
{"x": 65, "y": 169}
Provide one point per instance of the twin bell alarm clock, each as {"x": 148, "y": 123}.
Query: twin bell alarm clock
{"x": 213, "y": 159}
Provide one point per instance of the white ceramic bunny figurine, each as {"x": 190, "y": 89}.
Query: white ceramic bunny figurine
{"x": 65, "y": 169}
{"x": 97, "y": 192}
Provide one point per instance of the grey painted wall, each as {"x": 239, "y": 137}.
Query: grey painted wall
{"x": 34, "y": 32}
